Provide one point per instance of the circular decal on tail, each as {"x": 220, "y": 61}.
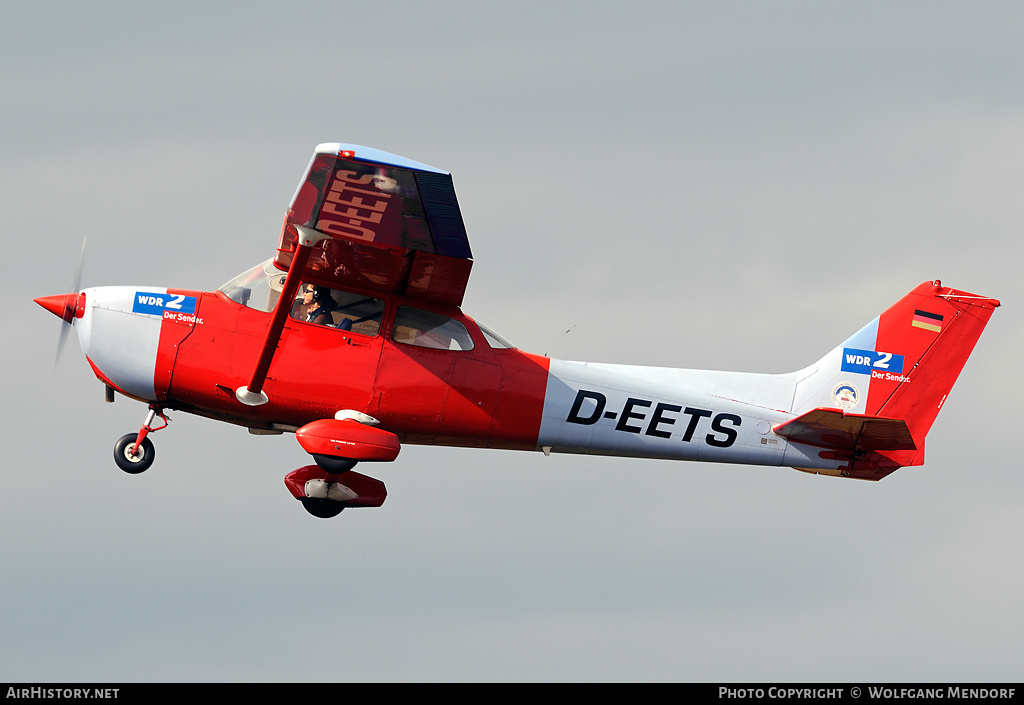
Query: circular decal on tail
{"x": 845, "y": 395}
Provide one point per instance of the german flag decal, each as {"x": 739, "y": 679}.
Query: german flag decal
{"x": 928, "y": 321}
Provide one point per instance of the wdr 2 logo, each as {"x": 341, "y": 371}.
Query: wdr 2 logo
{"x": 156, "y": 304}
{"x": 864, "y": 361}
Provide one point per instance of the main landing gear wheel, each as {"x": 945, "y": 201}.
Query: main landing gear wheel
{"x": 333, "y": 464}
{"x": 137, "y": 462}
{"x": 322, "y": 508}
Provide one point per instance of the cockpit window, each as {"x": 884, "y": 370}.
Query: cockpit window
{"x": 258, "y": 288}
{"x": 339, "y": 309}
{"x": 430, "y": 330}
{"x": 261, "y": 287}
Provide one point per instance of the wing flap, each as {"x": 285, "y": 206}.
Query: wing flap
{"x": 836, "y": 430}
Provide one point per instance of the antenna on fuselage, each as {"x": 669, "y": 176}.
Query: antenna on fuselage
{"x": 568, "y": 330}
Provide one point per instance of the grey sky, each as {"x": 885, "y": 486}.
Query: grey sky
{"x": 725, "y": 185}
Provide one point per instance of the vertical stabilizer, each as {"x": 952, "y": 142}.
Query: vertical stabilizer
{"x": 935, "y": 329}
{"x": 872, "y": 399}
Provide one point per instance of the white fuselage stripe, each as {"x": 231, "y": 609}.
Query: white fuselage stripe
{"x": 663, "y": 413}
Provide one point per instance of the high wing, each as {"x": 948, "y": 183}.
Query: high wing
{"x": 394, "y": 225}
{"x": 372, "y": 220}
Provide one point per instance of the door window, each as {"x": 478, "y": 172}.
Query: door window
{"x": 430, "y": 330}
{"x": 339, "y": 309}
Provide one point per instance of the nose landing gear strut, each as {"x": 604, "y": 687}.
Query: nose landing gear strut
{"x": 134, "y": 452}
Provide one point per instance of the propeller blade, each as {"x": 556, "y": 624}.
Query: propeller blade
{"x": 77, "y": 281}
{"x": 64, "y": 328}
{"x": 75, "y": 284}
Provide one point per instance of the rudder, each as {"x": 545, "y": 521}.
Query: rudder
{"x": 934, "y": 329}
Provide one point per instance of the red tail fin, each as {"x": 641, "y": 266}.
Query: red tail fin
{"x": 935, "y": 329}
{"x": 908, "y": 359}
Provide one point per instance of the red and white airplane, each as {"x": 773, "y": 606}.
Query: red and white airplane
{"x": 352, "y": 337}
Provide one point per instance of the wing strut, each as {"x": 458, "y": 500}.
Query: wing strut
{"x": 252, "y": 394}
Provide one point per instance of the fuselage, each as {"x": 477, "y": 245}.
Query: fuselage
{"x": 189, "y": 350}
{"x": 352, "y": 337}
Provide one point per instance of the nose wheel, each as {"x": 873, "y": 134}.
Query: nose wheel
{"x": 134, "y": 452}
{"x": 133, "y": 457}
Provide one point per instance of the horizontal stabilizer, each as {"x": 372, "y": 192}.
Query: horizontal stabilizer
{"x": 836, "y": 430}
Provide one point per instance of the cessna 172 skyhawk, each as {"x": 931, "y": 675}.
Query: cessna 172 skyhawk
{"x": 352, "y": 337}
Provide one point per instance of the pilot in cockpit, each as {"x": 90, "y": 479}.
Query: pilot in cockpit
{"x": 318, "y": 304}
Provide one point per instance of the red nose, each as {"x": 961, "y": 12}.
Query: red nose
{"x": 64, "y": 306}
